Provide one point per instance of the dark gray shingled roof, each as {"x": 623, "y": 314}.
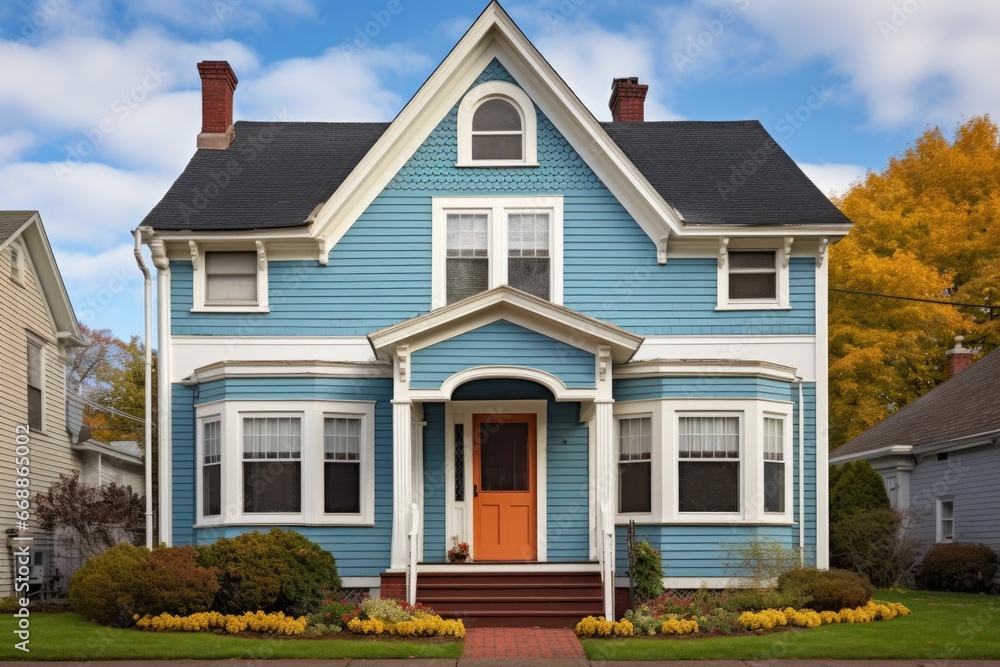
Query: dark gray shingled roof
{"x": 11, "y": 221}
{"x": 724, "y": 173}
{"x": 965, "y": 405}
{"x": 274, "y": 175}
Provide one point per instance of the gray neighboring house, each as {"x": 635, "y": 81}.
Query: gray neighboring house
{"x": 940, "y": 455}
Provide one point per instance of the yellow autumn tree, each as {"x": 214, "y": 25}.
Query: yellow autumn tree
{"x": 926, "y": 227}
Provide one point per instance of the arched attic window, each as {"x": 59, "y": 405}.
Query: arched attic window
{"x": 497, "y": 127}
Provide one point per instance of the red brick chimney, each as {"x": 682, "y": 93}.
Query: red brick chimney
{"x": 217, "y": 85}
{"x": 959, "y": 358}
{"x": 628, "y": 99}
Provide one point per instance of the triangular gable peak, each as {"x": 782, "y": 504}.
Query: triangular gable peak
{"x": 506, "y": 303}
{"x": 494, "y": 36}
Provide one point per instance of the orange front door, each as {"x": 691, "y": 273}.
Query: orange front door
{"x": 504, "y": 488}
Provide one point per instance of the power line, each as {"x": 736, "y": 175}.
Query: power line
{"x": 105, "y": 408}
{"x": 913, "y": 298}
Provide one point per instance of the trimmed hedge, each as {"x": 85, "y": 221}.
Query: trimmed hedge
{"x": 827, "y": 590}
{"x": 958, "y": 566}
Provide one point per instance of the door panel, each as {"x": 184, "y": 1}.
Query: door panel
{"x": 505, "y": 489}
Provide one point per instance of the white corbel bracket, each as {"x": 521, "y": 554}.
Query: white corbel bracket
{"x": 603, "y": 361}
{"x": 193, "y": 247}
{"x": 261, "y": 256}
{"x": 322, "y": 254}
{"x": 158, "y": 251}
{"x": 661, "y": 250}
{"x": 821, "y": 254}
{"x": 723, "y": 251}
{"x": 788, "y": 252}
{"x": 403, "y": 354}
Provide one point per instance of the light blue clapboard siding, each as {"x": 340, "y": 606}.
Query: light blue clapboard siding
{"x": 436, "y": 543}
{"x": 637, "y": 389}
{"x": 971, "y": 478}
{"x": 567, "y": 480}
{"x": 501, "y": 343}
{"x": 359, "y": 550}
{"x": 700, "y": 551}
{"x": 809, "y": 396}
{"x": 380, "y": 271}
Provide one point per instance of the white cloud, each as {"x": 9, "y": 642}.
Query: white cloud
{"x": 831, "y": 178}
{"x": 15, "y": 143}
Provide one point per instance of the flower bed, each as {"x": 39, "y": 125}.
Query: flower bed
{"x": 275, "y": 623}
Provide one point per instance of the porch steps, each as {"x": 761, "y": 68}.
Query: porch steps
{"x": 512, "y": 599}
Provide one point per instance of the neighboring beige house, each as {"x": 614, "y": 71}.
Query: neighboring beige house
{"x": 37, "y": 326}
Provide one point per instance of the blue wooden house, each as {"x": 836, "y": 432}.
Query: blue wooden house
{"x": 494, "y": 320}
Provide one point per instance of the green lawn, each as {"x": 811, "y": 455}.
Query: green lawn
{"x": 943, "y": 626}
{"x": 70, "y": 637}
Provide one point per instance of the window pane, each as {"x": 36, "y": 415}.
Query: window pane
{"x": 468, "y": 235}
{"x": 272, "y": 437}
{"x": 342, "y": 439}
{"x": 504, "y": 457}
{"x": 211, "y": 490}
{"x": 635, "y": 487}
{"x": 709, "y": 486}
{"x": 272, "y": 486}
{"x": 751, "y": 260}
{"x": 342, "y": 488}
{"x": 709, "y": 437}
{"x": 496, "y": 147}
{"x": 528, "y": 234}
{"x": 211, "y": 446}
{"x": 231, "y": 289}
{"x": 774, "y": 486}
{"x": 496, "y": 115}
{"x": 34, "y": 366}
{"x": 753, "y": 286}
{"x": 459, "y": 462}
{"x": 234, "y": 263}
{"x": 529, "y": 274}
{"x": 34, "y": 409}
{"x": 774, "y": 439}
{"x": 634, "y": 439}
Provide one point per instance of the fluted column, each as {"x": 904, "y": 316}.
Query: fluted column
{"x": 402, "y": 479}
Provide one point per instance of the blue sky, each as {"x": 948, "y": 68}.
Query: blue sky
{"x": 100, "y": 100}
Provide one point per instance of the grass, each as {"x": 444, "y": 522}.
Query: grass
{"x": 943, "y": 626}
{"x": 71, "y": 637}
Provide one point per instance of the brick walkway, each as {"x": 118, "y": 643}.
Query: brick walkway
{"x": 522, "y": 643}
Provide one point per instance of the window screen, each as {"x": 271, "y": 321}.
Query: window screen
{"x": 947, "y": 519}
{"x": 635, "y": 465}
{"x": 774, "y": 464}
{"x": 496, "y": 132}
{"x": 467, "y": 256}
{"x": 753, "y": 275}
{"x": 35, "y": 386}
{"x": 230, "y": 278}
{"x": 272, "y": 467}
{"x": 342, "y": 465}
{"x": 528, "y": 255}
{"x": 709, "y": 467}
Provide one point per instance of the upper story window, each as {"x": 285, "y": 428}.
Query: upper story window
{"x": 36, "y": 386}
{"x": 497, "y": 126}
{"x": 481, "y": 243}
{"x": 16, "y": 263}
{"x": 230, "y": 280}
{"x": 753, "y": 275}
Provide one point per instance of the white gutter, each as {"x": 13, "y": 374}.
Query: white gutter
{"x": 147, "y": 457}
{"x": 802, "y": 476}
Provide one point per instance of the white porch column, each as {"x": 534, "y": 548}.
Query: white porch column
{"x": 402, "y": 480}
{"x": 607, "y": 495}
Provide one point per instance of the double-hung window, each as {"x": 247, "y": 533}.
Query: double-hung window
{"x": 481, "y": 244}
{"x": 635, "y": 445}
{"x": 708, "y": 472}
{"x": 342, "y": 465}
{"x": 36, "y": 386}
{"x": 754, "y": 274}
{"x": 774, "y": 464}
{"x": 946, "y": 520}
{"x": 229, "y": 281}
{"x": 272, "y": 464}
{"x": 211, "y": 467}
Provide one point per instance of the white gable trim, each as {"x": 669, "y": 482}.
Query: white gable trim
{"x": 494, "y": 35}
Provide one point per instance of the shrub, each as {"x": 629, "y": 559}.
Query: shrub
{"x": 108, "y": 588}
{"x": 334, "y": 613}
{"x": 393, "y": 617}
{"x": 827, "y": 590}
{"x": 9, "y": 605}
{"x": 854, "y": 486}
{"x": 176, "y": 584}
{"x": 642, "y": 620}
{"x": 958, "y": 567}
{"x": 876, "y": 543}
{"x": 312, "y": 573}
{"x": 648, "y": 575}
{"x": 756, "y": 599}
{"x": 759, "y": 562}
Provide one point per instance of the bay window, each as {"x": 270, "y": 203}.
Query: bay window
{"x": 635, "y": 465}
{"x": 211, "y": 468}
{"x": 272, "y": 465}
{"x": 708, "y": 472}
{"x": 774, "y": 464}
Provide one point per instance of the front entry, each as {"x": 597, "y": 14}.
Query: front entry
{"x": 504, "y": 507}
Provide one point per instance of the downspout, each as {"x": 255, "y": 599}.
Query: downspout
{"x": 148, "y": 310}
{"x": 802, "y": 475}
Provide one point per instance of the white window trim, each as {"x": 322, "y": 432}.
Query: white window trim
{"x": 787, "y": 457}
{"x": 496, "y": 209}
{"x": 939, "y": 520}
{"x": 529, "y": 124}
{"x": 17, "y": 263}
{"x": 312, "y": 413}
{"x": 782, "y": 302}
{"x": 39, "y": 344}
{"x": 200, "y": 278}
{"x": 665, "y": 447}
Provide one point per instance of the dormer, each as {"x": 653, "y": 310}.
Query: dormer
{"x": 497, "y": 127}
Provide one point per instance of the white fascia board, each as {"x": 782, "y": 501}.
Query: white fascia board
{"x": 50, "y": 282}
{"x": 712, "y": 367}
{"x": 833, "y": 232}
{"x": 224, "y": 370}
{"x": 797, "y": 353}
{"x": 894, "y": 450}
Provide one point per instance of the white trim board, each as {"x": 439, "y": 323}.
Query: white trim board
{"x": 796, "y": 352}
